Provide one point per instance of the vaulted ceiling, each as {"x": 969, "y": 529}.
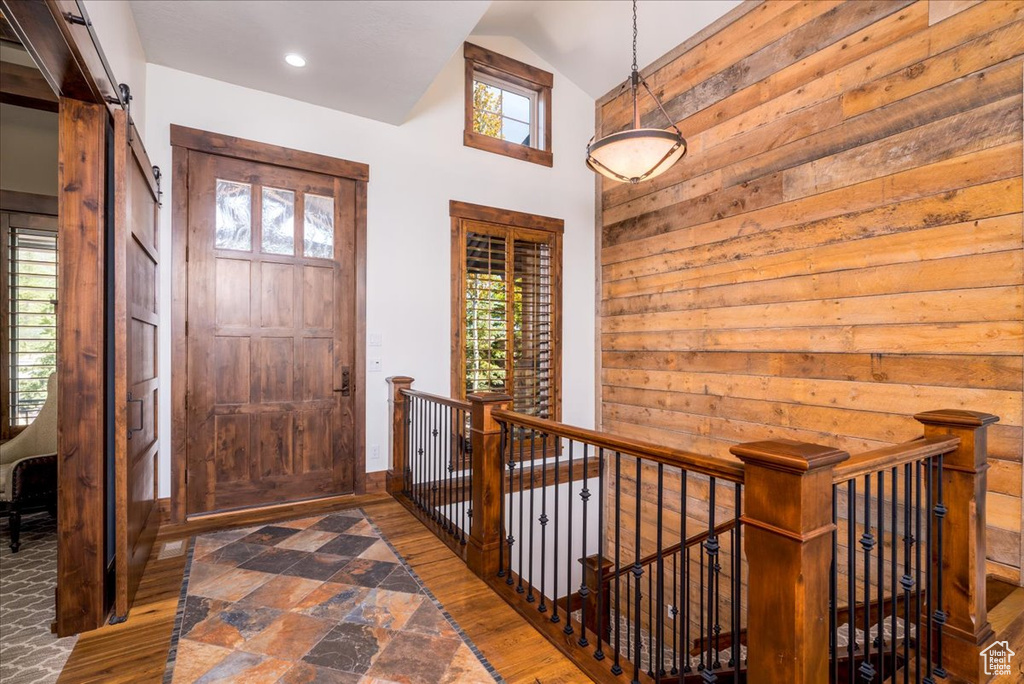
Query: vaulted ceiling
{"x": 376, "y": 59}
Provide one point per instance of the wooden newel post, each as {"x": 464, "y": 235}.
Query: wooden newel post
{"x": 787, "y": 503}
{"x": 397, "y": 407}
{"x": 964, "y": 480}
{"x": 485, "y": 541}
{"x": 590, "y": 579}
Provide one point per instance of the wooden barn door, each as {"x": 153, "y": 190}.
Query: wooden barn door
{"x": 136, "y": 266}
{"x": 270, "y": 334}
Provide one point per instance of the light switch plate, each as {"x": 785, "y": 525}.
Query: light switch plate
{"x": 376, "y": 339}
{"x": 375, "y": 365}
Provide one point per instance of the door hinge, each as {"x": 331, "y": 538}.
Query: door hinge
{"x": 186, "y": 253}
{"x": 186, "y": 475}
{"x": 186, "y": 328}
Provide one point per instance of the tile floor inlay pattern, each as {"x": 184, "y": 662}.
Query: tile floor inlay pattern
{"x": 29, "y": 653}
{"x": 321, "y": 599}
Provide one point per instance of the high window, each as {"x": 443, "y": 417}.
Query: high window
{"x": 29, "y": 310}
{"x": 508, "y": 106}
{"x": 506, "y": 306}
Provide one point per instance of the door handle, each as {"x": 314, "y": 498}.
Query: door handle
{"x": 133, "y": 430}
{"x": 346, "y": 382}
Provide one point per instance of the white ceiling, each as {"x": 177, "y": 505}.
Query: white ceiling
{"x": 373, "y": 59}
{"x": 591, "y": 41}
{"x": 376, "y": 59}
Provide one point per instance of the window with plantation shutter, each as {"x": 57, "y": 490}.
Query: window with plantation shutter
{"x": 29, "y": 348}
{"x": 506, "y": 302}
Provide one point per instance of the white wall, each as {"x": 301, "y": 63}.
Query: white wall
{"x": 415, "y": 169}
{"x": 114, "y": 24}
{"x": 28, "y": 150}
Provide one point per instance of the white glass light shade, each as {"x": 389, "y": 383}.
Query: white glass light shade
{"x": 635, "y": 154}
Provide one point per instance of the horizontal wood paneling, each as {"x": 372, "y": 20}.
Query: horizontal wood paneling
{"x": 842, "y": 245}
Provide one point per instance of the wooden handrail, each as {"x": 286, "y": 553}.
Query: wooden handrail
{"x": 686, "y": 460}
{"x": 438, "y": 399}
{"x": 871, "y": 462}
{"x": 669, "y": 551}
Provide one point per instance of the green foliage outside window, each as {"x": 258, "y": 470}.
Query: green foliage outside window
{"x": 33, "y": 320}
{"x": 487, "y": 331}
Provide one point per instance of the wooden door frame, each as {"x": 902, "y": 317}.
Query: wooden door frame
{"x": 506, "y": 220}
{"x": 76, "y": 71}
{"x": 184, "y": 141}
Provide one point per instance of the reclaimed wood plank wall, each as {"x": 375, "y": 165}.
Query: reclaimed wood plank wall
{"x": 842, "y": 245}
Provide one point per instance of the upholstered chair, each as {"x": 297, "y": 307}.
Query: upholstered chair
{"x": 28, "y": 466}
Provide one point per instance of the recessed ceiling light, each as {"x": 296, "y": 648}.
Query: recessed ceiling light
{"x": 295, "y": 60}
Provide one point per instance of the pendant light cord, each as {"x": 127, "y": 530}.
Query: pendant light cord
{"x": 635, "y": 67}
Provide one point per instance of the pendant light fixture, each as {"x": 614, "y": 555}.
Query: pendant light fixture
{"x": 637, "y": 154}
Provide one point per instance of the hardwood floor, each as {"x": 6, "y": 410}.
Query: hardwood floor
{"x": 136, "y": 650}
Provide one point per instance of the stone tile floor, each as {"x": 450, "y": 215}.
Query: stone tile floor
{"x": 322, "y": 599}
{"x": 29, "y": 652}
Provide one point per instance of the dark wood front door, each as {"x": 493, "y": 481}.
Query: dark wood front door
{"x": 271, "y": 331}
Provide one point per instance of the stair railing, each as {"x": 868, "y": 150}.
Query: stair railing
{"x": 643, "y": 563}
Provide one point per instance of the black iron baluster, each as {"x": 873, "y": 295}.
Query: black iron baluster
{"x": 502, "y": 518}
{"x": 449, "y": 470}
{"x": 893, "y": 563}
{"x": 584, "y": 591}
{"x": 711, "y": 546}
{"x": 879, "y": 642}
{"x": 602, "y": 625}
{"x": 568, "y": 629}
{"x": 407, "y": 469}
{"x": 467, "y": 467}
{"x": 530, "y": 598}
{"x": 675, "y": 612}
{"x": 851, "y": 579}
{"x": 554, "y": 561}
{"x": 917, "y": 563}
{"x": 428, "y": 458}
{"x": 675, "y": 594}
{"x": 432, "y": 462}
{"x": 907, "y": 582}
{"x": 410, "y": 448}
{"x": 833, "y": 589}
{"x": 543, "y": 518}
{"x": 737, "y": 583}
{"x": 617, "y": 666}
{"x": 929, "y": 483}
{"x": 940, "y": 613}
{"x": 867, "y": 543}
{"x": 438, "y": 487}
{"x": 705, "y": 662}
{"x": 630, "y": 656}
{"x": 684, "y": 645}
{"x": 420, "y": 452}
{"x": 660, "y": 602}
{"x": 510, "y": 521}
{"x": 450, "y": 454}
{"x": 650, "y": 628}
{"x": 638, "y": 572}
{"x": 522, "y": 509}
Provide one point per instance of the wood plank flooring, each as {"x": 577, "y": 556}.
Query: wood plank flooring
{"x": 136, "y": 650}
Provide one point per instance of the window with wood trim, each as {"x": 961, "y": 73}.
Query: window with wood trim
{"x": 29, "y": 309}
{"x": 508, "y": 106}
{"x": 506, "y": 307}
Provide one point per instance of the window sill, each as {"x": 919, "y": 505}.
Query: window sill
{"x": 502, "y": 147}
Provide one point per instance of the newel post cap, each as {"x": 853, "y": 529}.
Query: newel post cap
{"x": 488, "y": 397}
{"x": 789, "y": 456}
{"x": 956, "y": 418}
{"x": 399, "y": 380}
